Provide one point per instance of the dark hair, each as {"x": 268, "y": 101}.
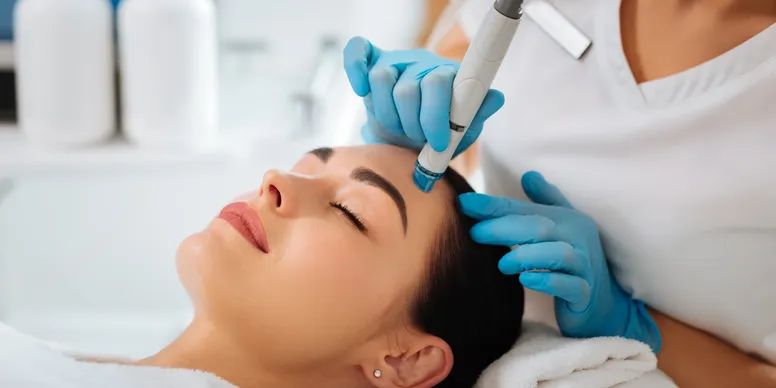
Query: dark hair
{"x": 465, "y": 300}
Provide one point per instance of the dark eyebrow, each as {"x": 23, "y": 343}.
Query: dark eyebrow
{"x": 363, "y": 174}
{"x": 368, "y": 176}
{"x": 323, "y": 153}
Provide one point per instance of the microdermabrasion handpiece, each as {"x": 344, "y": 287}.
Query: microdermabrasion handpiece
{"x": 471, "y": 84}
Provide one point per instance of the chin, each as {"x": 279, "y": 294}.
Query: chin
{"x": 191, "y": 262}
{"x": 203, "y": 248}
{"x": 201, "y": 259}
{"x": 210, "y": 268}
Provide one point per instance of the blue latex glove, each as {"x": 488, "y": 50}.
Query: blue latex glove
{"x": 407, "y": 94}
{"x": 554, "y": 237}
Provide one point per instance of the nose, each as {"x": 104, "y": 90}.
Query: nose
{"x": 278, "y": 192}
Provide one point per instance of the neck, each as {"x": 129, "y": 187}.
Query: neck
{"x": 204, "y": 348}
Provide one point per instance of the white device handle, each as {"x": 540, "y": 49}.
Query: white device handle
{"x": 471, "y": 84}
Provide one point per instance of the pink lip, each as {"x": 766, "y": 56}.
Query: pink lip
{"x": 246, "y": 221}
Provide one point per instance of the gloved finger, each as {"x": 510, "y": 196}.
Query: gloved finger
{"x": 369, "y": 137}
{"x": 359, "y": 57}
{"x": 436, "y": 95}
{"x": 573, "y": 289}
{"x": 369, "y": 104}
{"x": 406, "y": 95}
{"x": 469, "y": 137}
{"x": 483, "y": 207}
{"x": 382, "y": 80}
{"x": 542, "y": 192}
{"x": 494, "y": 100}
{"x": 557, "y": 256}
{"x": 514, "y": 229}
{"x": 373, "y": 133}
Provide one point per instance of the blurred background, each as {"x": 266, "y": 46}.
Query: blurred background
{"x": 88, "y": 235}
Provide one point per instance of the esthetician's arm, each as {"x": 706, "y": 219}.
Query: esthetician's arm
{"x": 693, "y": 358}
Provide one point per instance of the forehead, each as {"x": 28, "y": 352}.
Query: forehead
{"x": 425, "y": 211}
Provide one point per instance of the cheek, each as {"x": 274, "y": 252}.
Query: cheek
{"x": 320, "y": 253}
{"x": 337, "y": 269}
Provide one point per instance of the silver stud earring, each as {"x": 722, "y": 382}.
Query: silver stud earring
{"x": 378, "y": 373}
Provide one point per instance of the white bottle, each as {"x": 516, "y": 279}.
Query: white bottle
{"x": 65, "y": 66}
{"x": 168, "y": 64}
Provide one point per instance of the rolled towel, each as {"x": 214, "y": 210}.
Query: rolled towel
{"x": 542, "y": 358}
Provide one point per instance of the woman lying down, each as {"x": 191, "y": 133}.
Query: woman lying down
{"x": 339, "y": 273}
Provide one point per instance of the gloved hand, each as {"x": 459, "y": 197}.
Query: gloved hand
{"x": 554, "y": 237}
{"x": 407, "y": 94}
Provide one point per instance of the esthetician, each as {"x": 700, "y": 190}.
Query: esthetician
{"x": 662, "y": 138}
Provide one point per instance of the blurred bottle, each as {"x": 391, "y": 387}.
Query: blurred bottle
{"x": 168, "y": 62}
{"x": 64, "y": 57}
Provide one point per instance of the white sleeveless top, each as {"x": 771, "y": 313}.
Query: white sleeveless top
{"x": 680, "y": 173}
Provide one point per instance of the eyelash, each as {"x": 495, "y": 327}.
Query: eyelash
{"x": 357, "y": 222}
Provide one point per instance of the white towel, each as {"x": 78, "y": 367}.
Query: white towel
{"x": 29, "y": 363}
{"x": 542, "y": 358}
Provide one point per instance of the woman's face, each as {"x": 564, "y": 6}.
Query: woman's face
{"x": 348, "y": 237}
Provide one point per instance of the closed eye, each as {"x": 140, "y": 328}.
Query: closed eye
{"x": 354, "y": 219}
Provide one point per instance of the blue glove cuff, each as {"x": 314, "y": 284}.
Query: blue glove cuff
{"x": 642, "y": 327}
{"x": 638, "y": 324}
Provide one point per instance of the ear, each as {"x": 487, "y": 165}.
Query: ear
{"x": 425, "y": 363}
